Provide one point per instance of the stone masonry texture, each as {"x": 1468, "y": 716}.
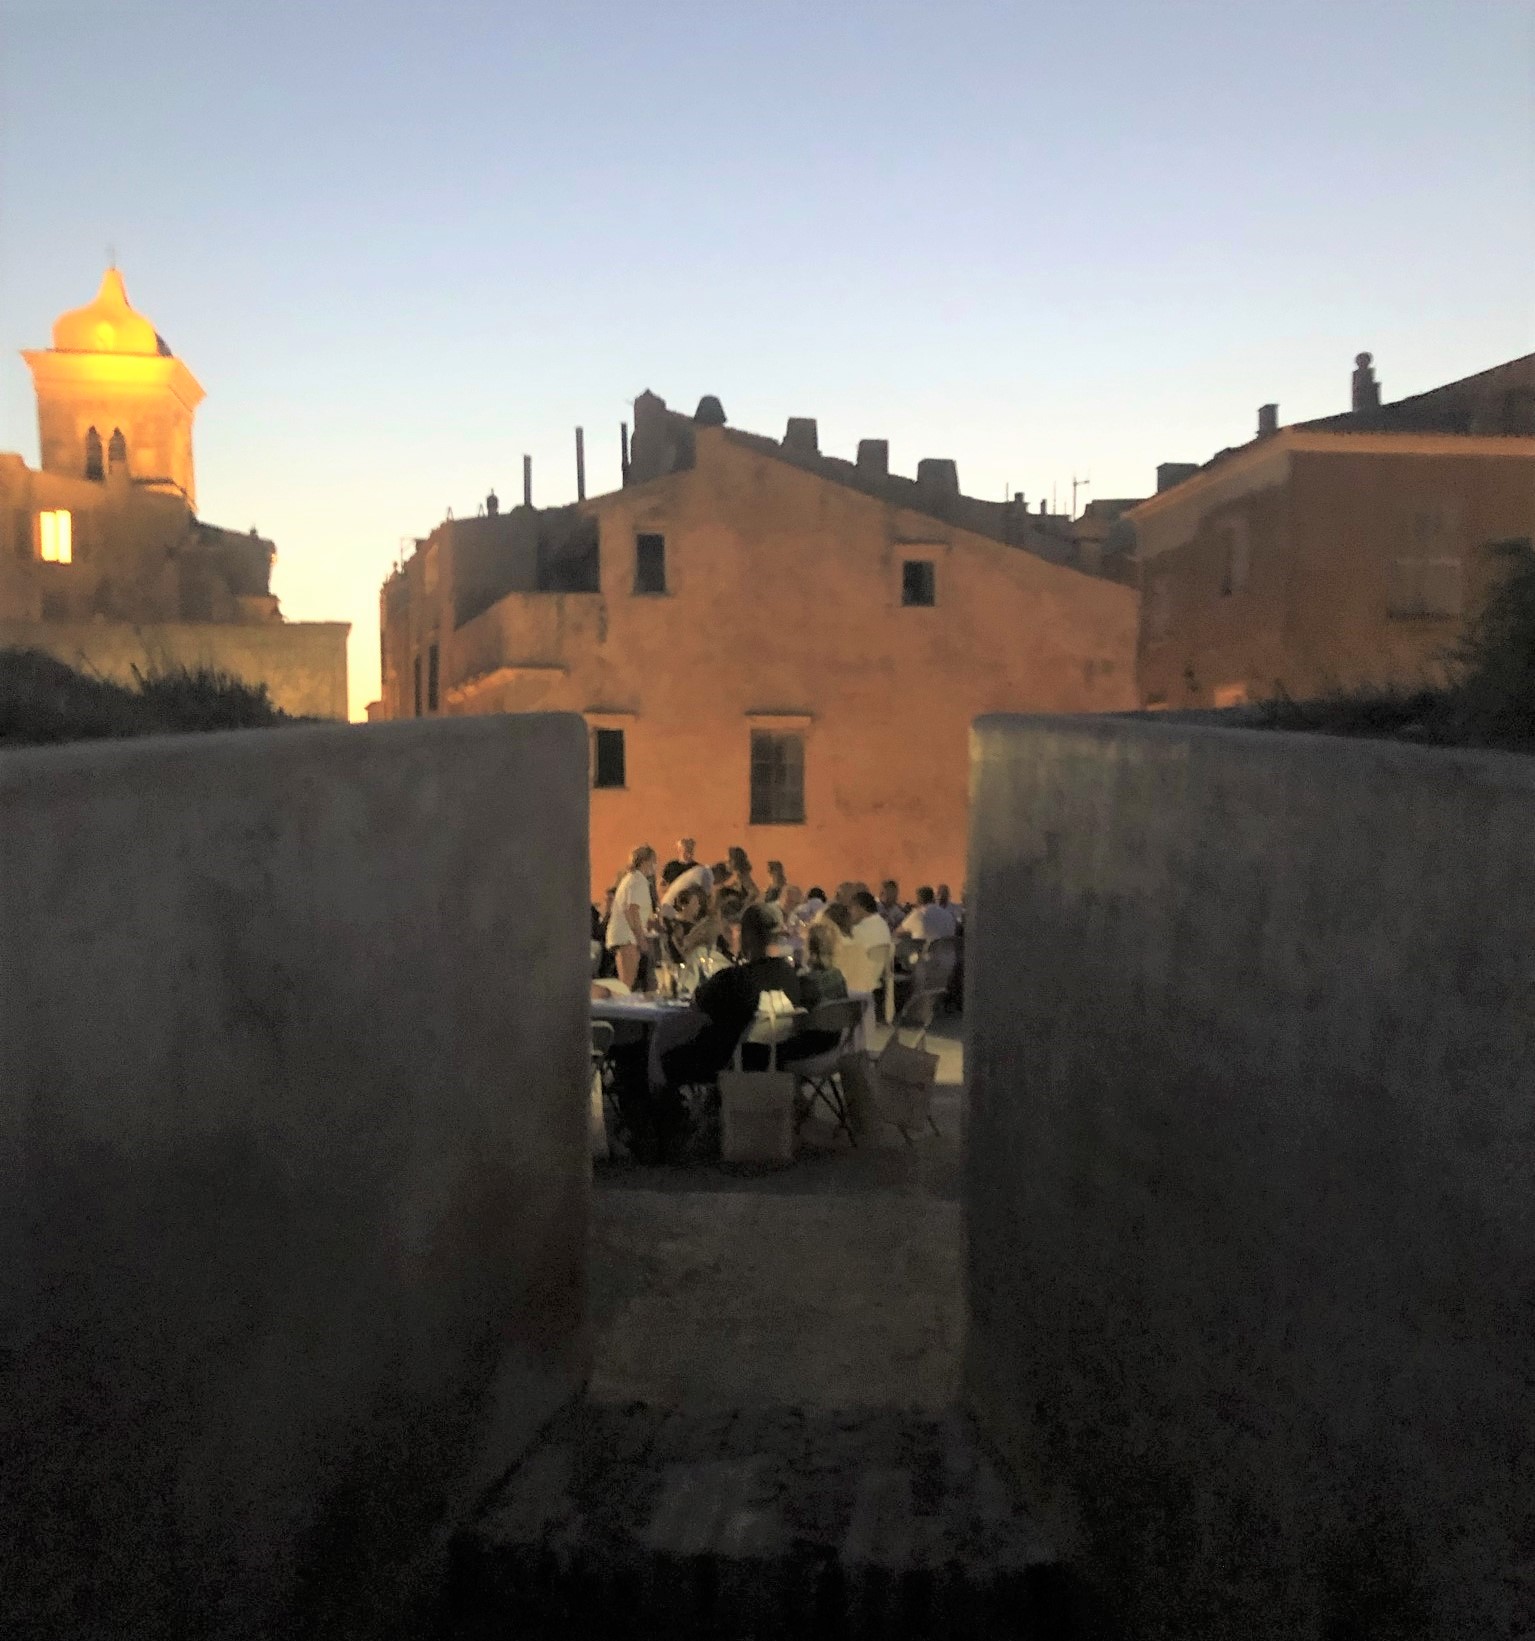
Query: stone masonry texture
{"x": 293, "y": 1132}
{"x": 1251, "y": 1241}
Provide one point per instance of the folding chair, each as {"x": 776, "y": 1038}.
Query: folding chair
{"x": 909, "y": 1068}
{"x": 820, "y": 1072}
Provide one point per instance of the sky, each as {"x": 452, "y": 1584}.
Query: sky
{"x": 402, "y": 244}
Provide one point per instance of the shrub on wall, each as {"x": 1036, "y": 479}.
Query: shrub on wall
{"x": 43, "y": 701}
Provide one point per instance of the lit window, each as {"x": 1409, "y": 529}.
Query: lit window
{"x": 55, "y": 537}
{"x": 650, "y": 564}
{"x": 608, "y": 758}
{"x": 919, "y": 583}
{"x": 777, "y": 779}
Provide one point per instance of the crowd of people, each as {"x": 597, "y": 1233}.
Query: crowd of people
{"x": 714, "y": 935}
{"x": 654, "y": 917}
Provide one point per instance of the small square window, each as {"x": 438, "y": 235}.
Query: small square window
{"x": 608, "y": 758}
{"x": 919, "y": 583}
{"x": 431, "y": 679}
{"x": 650, "y": 564}
{"x": 55, "y": 537}
{"x": 777, "y": 779}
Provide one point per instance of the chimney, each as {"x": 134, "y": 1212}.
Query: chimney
{"x": 492, "y": 505}
{"x": 1268, "y": 421}
{"x": 580, "y": 465}
{"x": 937, "y": 478}
{"x": 623, "y": 452}
{"x": 1041, "y": 506}
{"x": 874, "y": 457}
{"x": 1019, "y": 502}
{"x": 1171, "y": 473}
{"x": 1366, "y": 394}
{"x": 801, "y": 436}
{"x": 527, "y": 481}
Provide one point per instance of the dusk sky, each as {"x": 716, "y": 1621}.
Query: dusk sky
{"x": 402, "y": 244}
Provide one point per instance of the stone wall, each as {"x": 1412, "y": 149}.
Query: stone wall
{"x": 293, "y": 1117}
{"x": 1251, "y": 1235}
{"x": 302, "y": 663}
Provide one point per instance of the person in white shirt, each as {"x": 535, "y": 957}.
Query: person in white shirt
{"x": 634, "y": 914}
{"x": 869, "y": 927}
{"x": 953, "y": 907}
{"x": 927, "y": 921}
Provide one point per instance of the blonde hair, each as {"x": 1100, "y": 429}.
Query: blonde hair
{"x": 821, "y": 942}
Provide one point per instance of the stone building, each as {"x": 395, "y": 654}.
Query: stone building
{"x": 103, "y": 559}
{"x": 771, "y": 646}
{"x": 1336, "y": 552}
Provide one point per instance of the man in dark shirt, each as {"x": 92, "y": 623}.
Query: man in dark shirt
{"x": 728, "y": 1001}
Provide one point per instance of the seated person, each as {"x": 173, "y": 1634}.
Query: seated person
{"x": 927, "y": 920}
{"x": 821, "y": 982}
{"x": 728, "y": 1002}
{"x": 682, "y": 926}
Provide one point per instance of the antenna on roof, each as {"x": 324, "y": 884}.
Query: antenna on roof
{"x": 1077, "y": 484}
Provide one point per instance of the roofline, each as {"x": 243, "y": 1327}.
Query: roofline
{"x": 1301, "y": 439}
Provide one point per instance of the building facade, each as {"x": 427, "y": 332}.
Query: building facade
{"x": 771, "y": 647}
{"x": 103, "y": 560}
{"x": 1335, "y": 553}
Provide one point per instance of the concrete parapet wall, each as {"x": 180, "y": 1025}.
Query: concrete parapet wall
{"x": 1251, "y": 1233}
{"x": 302, "y": 663}
{"x": 293, "y": 1107}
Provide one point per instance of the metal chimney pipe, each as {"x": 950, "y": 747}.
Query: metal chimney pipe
{"x": 527, "y": 481}
{"x": 580, "y": 465}
{"x": 623, "y": 441}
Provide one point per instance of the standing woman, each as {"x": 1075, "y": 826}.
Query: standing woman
{"x": 740, "y": 875}
{"x": 634, "y": 914}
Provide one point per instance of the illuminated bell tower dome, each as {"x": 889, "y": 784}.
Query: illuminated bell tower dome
{"x": 110, "y": 324}
{"x": 112, "y": 399}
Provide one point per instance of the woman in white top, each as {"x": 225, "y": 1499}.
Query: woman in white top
{"x": 634, "y": 914}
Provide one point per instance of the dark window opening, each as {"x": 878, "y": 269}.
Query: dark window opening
{"x": 919, "y": 584}
{"x": 608, "y": 757}
{"x": 93, "y": 468}
{"x": 570, "y": 562}
{"x": 650, "y": 564}
{"x": 415, "y": 668}
{"x": 431, "y": 678}
{"x": 777, "y": 779}
{"x": 117, "y": 449}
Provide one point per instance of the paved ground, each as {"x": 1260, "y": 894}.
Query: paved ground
{"x": 771, "y": 1444}
{"x": 835, "y": 1282}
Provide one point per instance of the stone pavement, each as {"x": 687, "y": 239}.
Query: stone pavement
{"x": 770, "y": 1444}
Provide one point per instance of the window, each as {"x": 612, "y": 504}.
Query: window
{"x": 93, "y": 469}
{"x": 415, "y": 669}
{"x": 650, "y": 564}
{"x": 117, "y": 449}
{"x": 608, "y": 758}
{"x": 778, "y": 779}
{"x": 569, "y": 560}
{"x": 1235, "y": 558}
{"x": 919, "y": 582}
{"x": 1424, "y": 588}
{"x": 55, "y": 537}
{"x": 431, "y": 679}
{"x": 1159, "y": 609}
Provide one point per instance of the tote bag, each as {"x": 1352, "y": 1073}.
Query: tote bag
{"x": 757, "y": 1107}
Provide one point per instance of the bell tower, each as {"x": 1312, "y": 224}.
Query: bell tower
{"x": 113, "y": 401}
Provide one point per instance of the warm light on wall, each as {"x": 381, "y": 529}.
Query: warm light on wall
{"x": 56, "y": 537}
